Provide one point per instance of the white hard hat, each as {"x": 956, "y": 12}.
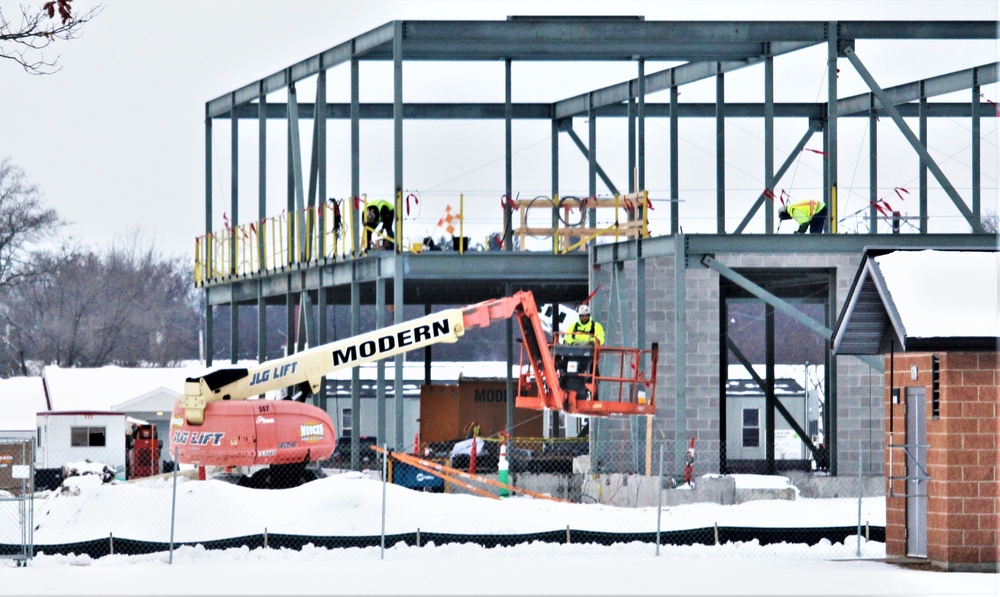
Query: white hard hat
{"x": 583, "y": 310}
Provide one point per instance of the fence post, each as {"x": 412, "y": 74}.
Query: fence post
{"x": 861, "y": 491}
{"x": 385, "y": 478}
{"x": 659, "y": 502}
{"x": 173, "y": 508}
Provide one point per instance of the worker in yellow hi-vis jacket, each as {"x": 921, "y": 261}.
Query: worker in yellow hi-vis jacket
{"x": 809, "y": 215}
{"x": 585, "y": 330}
{"x": 380, "y": 211}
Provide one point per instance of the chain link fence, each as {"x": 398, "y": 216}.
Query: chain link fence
{"x": 16, "y": 499}
{"x": 523, "y": 491}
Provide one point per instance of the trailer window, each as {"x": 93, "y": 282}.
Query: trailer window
{"x": 87, "y": 437}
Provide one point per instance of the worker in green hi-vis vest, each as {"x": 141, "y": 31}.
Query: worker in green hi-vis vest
{"x": 380, "y": 211}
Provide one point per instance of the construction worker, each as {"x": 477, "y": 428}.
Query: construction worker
{"x": 589, "y": 334}
{"x": 808, "y": 214}
{"x": 380, "y": 211}
{"x": 585, "y": 330}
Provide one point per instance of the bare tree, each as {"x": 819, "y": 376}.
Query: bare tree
{"x": 128, "y": 306}
{"x": 25, "y": 40}
{"x": 24, "y": 220}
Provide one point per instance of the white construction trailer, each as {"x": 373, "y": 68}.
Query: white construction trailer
{"x": 74, "y": 436}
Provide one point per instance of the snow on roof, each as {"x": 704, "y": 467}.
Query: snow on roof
{"x": 788, "y": 379}
{"x": 101, "y": 388}
{"x": 20, "y": 399}
{"x": 440, "y": 371}
{"x": 116, "y": 388}
{"x": 944, "y": 293}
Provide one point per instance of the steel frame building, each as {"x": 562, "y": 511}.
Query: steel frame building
{"x": 704, "y": 51}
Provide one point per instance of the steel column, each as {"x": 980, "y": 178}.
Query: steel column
{"x": 641, "y": 159}
{"x": 591, "y": 160}
{"x": 234, "y": 210}
{"x": 675, "y": 212}
{"x": 872, "y": 167}
{"x": 976, "y": 151}
{"x": 356, "y": 160}
{"x": 356, "y": 373}
{"x": 397, "y": 127}
{"x": 720, "y": 152}
{"x": 508, "y": 208}
{"x": 397, "y": 304}
{"x": 207, "y": 253}
{"x": 680, "y": 350}
{"x": 832, "y": 49}
{"x": 555, "y": 182}
{"x": 769, "y": 137}
{"x": 380, "y": 395}
{"x": 922, "y": 166}
{"x": 262, "y": 230}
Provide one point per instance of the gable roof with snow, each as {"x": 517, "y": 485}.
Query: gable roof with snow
{"x": 20, "y": 399}
{"x": 912, "y": 300}
{"x": 102, "y": 388}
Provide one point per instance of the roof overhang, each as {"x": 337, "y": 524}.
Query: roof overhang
{"x": 870, "y": 322}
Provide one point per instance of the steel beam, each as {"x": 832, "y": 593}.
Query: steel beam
{"x": 586, "y": 153}
{"x": 781, "y": 305}
{"x": 607, "y": 39}
{"x": 925, "y": 157}
{"x": 814, "y": 125}
{"x": 986, "y": 74}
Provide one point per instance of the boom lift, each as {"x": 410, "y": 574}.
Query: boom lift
{"x": 214, "y": 424}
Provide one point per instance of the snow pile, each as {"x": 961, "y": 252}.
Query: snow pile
{"x": 87, "y": 467}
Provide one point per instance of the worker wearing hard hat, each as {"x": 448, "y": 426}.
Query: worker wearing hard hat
{"x": 585, "y": 330}
{"x": 380, "y": 212}
{"x": 809, "y": 215}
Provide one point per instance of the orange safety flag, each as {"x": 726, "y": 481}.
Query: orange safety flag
{"x": 448, "y": 219}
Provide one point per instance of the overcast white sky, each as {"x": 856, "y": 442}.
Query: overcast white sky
{"x": 115, "y": 140}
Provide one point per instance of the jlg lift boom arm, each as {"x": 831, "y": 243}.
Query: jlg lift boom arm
{"x": 305, "y": 370}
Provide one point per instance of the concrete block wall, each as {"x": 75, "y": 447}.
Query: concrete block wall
{"x": 859, "y": 387}
{"x": 963, "y": 460}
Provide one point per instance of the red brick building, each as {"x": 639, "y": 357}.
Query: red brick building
{"x": 935, "y": 316}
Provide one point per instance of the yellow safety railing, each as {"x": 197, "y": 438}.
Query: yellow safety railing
{"x": 322, "y": 233}
{"x": 632, "y": 208}
{"x": 274, "y": 243}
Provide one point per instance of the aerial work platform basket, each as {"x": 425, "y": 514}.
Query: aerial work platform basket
{"x": 591, "y": 380}
{"x": 578, "y": 379}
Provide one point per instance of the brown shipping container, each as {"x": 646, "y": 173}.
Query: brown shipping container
{"x": 445, "y": 411}
{"x": 13, "y": 453}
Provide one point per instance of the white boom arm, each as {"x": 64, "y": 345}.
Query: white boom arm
{"x": 309, "y": 366}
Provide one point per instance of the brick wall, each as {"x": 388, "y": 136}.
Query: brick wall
{"x": 962, "y": 460}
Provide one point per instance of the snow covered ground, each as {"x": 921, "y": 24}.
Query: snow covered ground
{"x": 350, "y": 504}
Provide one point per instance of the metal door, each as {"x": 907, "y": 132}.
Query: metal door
{"x": 916, "y": 472}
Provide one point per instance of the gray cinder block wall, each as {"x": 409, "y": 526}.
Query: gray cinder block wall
{"x": 859, "y": 388}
